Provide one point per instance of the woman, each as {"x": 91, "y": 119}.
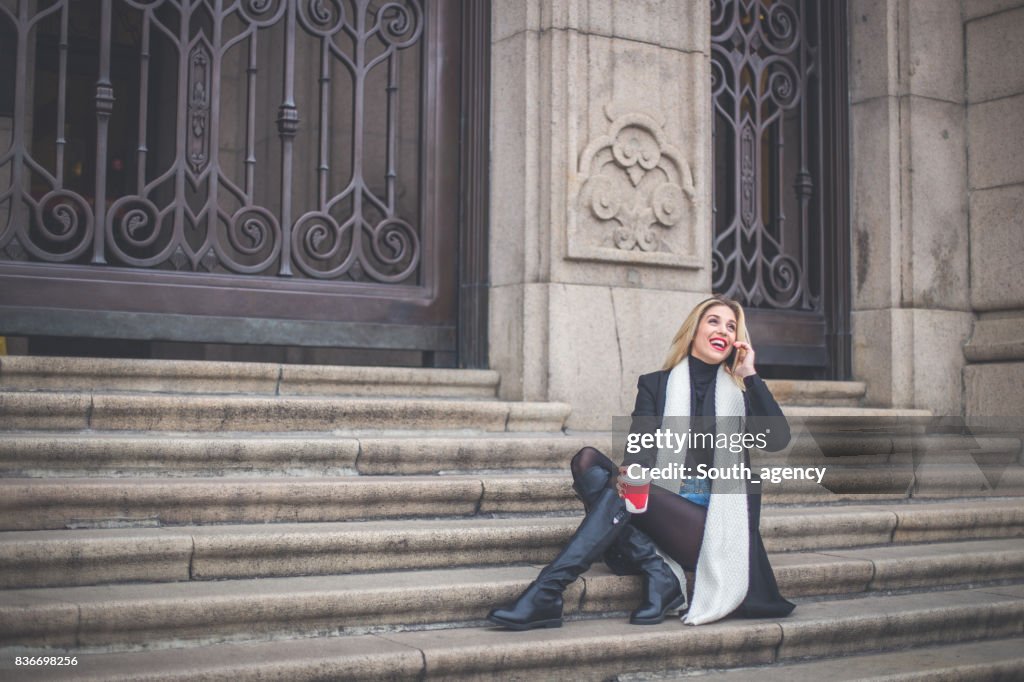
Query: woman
{"x": 708, "y": 526}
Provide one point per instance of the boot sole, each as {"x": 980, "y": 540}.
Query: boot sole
{"x": 512, "y": 625}
{"x": 676, "y": 603}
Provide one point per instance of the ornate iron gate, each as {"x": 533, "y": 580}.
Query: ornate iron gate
{"x": 781, "y": 226}
{"x": 260, "y": 171}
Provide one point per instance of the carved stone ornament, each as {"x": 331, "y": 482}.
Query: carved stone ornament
{"x": 635, "y": 198}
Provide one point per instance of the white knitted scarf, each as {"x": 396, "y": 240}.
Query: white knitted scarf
{"x": 722, "y": 576}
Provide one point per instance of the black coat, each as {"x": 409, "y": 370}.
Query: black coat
{"x": 763, "y": 599}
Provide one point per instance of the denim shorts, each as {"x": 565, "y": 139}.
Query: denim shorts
{"x": 696, "y": 490}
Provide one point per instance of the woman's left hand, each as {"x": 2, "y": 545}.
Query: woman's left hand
{"x": 745, "y": 353}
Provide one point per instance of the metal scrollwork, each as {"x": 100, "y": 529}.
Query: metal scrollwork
{"x": 188, "y": 190}
{"x": 400, "y": 24}
{"x": 785, "y": 275}
{"x": 718, "y": 8}
{"x": 322, "y": 17}
{"x": 262, "y": 13}
{"x": 254, "y": 237}
{"x": 783, "y": 83}
{"x": 780, "y": 28}
{"x": 396, "y": 245}
{"x": 134, "y": 232}
{"x": 761, "y": 63}
{"x": 317, "y": 242}
{"x": 62, "y": 227}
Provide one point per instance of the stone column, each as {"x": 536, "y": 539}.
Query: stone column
{"x": 993, "y": 380}
{"x": 911, "y": 303}
{"x": 600, "y": 204}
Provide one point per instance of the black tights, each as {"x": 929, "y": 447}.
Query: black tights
{"x": 674, "y": 523}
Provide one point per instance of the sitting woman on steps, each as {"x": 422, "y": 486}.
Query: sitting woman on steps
{"x": 709, "y": 376}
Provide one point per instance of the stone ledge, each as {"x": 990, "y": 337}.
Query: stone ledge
{"x": 366, "y": 657}
{"x": 987, "y": 660}
{"x": 126, "y": 615}
{"x": 37, "y": 411}
{"x": 821, "y": 416}
{"x": 817, "y": 393}
{"x": 996, "y": 339}
{"x": 114, "y": 454}
{"x": 32, "y": 504}
{"x": 97, "y": 556}
{"x": 23, "y": 372}
{"x": 40, "y": 504}
{"x": 388, "y": 381}
{"x": 583, "y": 649}
{"x": 207, "y": 413}
{"x": 886, "y": 623}
{"x": 80, "y": 454}
{"x": 917, "y": 566}
{"x": 104, "y": 454}
{"x": 904, "y": 450}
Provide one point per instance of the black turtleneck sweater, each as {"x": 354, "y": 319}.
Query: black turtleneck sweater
{"x": 759, "y": 402}
{"x": 702, "y": 409}
{"x": 702, "y": 375}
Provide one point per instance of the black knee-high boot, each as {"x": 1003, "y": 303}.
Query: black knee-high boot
{"x": 540, "y": 606}
{"x": 662, "y": 591}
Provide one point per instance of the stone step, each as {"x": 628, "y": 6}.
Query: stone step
{"x": 581, "y": 650}
{"x": 937, "y": 481}
{"x": 30, "y": 373}
{"x": 840, "y": 418}
{"x": 985, "y": 661}
{"x": 37, "y": 504}
{"x": 34, "y": 373}
{"x": 101, "y": 411}
{"x": 89, "y": 454}
{"x": 881, "y": 448}
{"x": 127, "y": 615}
{"x": 99, "y": 556}
{"x": 817, "y": 393}
{"x": 878, "y": 569}
{"x": 236, "y": 454}
{"x": 188, "y": 413}
{"x": 41, "y": 504}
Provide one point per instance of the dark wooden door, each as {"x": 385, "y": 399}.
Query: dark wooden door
{"x": 252, "y": 171}
{"x": 781, "y": 228}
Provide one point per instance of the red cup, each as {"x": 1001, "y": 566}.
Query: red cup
{"x": 635, "y": 493}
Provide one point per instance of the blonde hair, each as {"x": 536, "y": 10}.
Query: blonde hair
{"x": 683, "y": 340}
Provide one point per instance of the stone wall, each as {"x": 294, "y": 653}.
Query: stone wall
{"x": 601, "y": 197}
{"x": 911, "y": 303}
{"x": 994, "y": 379}
{"x": 600, "y": 202}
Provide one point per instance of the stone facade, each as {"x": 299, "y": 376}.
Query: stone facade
{"x": 994, "y": 377}
{"x": 600, "y": 207}
{"x": 911, "y": 309}
{"x": 600, "y": 195}
{"x": 601, "y": 216}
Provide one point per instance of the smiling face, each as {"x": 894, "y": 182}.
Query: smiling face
{"x": 715, "y": 335}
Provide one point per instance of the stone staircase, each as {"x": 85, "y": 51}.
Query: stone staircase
{"x": 177, "y": 520}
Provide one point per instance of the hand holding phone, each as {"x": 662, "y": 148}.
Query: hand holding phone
{"x": 745, "y": 354}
